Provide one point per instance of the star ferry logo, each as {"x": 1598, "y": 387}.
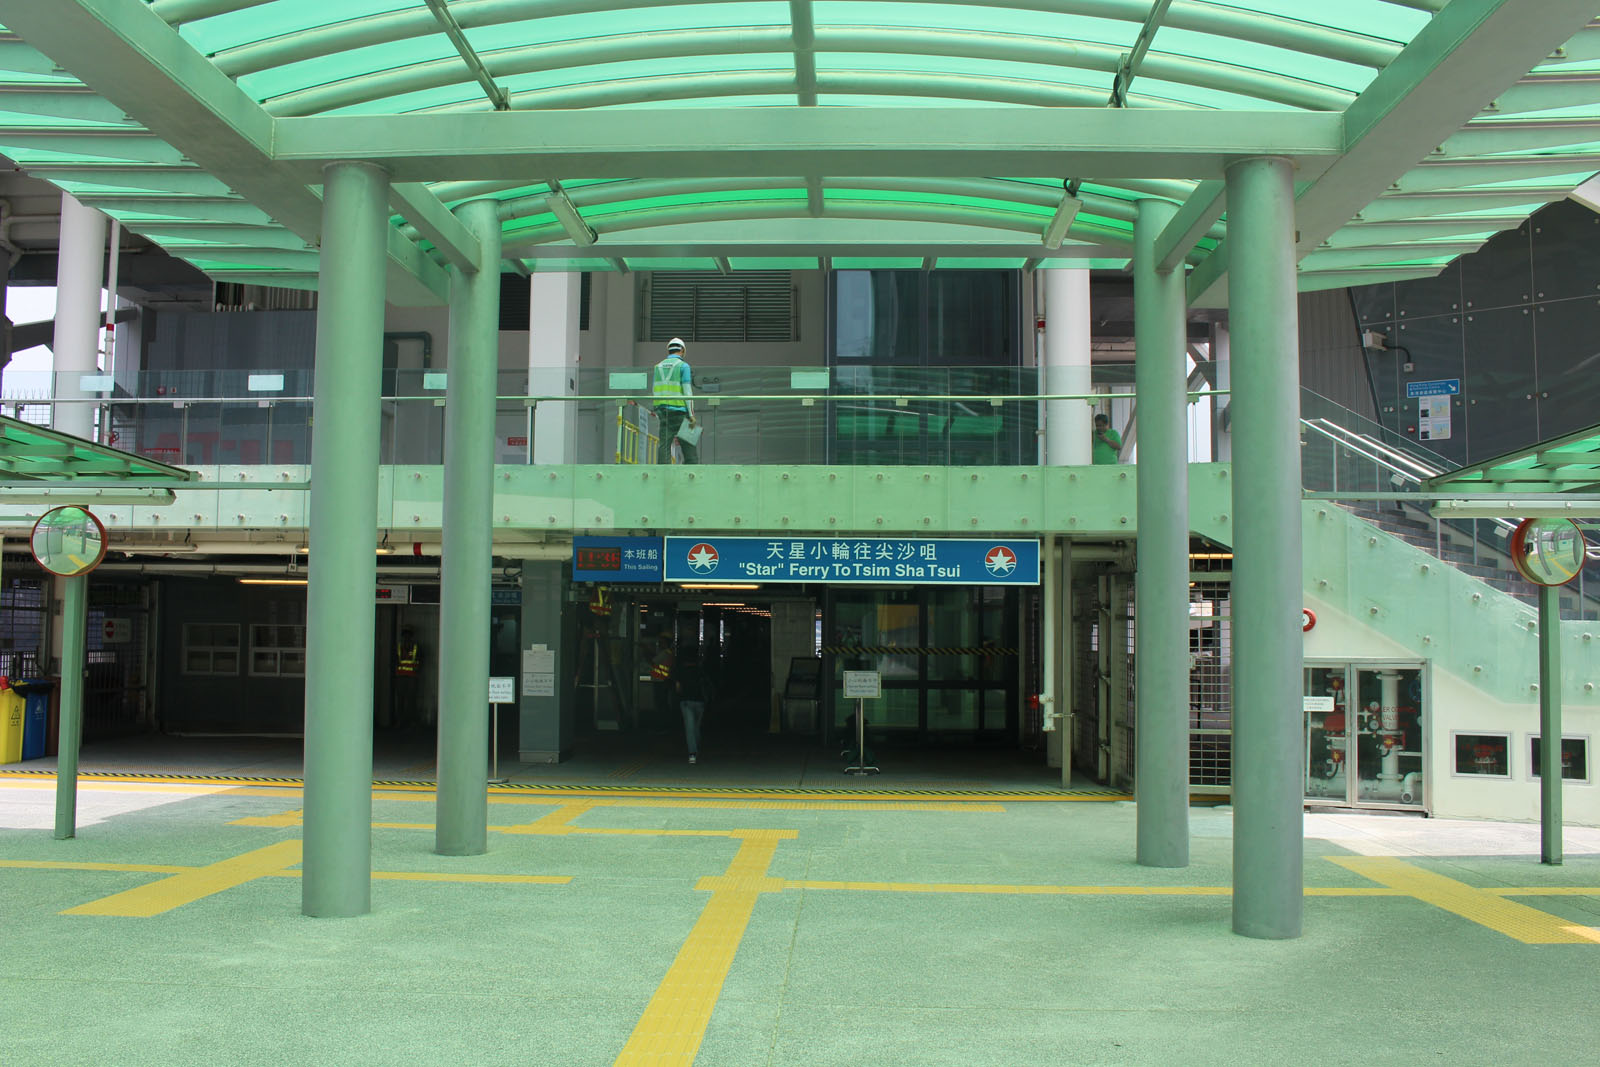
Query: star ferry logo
{"x": 1000, "y": 561}
{"x": 702, "y": 558}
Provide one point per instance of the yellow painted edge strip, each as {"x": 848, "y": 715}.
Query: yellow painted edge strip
{"x": 442, "y": 876}
{"x": 189, "y": 886}
{"x": 65, "y": 865}
{"x": 1074, "y": 890}
{"x": 1517, "y": 921}
{"x": 733, "y": 795}
{"x": 674, "y": 1022}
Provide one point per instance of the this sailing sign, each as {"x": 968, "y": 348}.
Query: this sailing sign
{"x": 852, "y": 560}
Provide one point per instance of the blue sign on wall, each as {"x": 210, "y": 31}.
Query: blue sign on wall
{"x": 852, "y": 560}
{"x": 616, "y": 559}
{"x": 1441, "y": 387}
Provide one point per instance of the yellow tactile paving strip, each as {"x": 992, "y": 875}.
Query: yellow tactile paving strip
{"x": 674, "y": 1022}
{"x": 1528, "y": 925}
{"x": 191, "y": 885}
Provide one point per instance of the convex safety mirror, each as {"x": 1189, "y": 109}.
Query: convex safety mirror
{"x": 69, "y": 541}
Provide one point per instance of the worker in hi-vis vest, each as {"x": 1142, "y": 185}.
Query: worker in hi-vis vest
{"x": 672, "y": 386}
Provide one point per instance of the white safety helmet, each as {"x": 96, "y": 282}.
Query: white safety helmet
{"x": 675, "y": 345}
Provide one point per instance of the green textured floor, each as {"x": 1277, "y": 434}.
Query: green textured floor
{"x": 449, "y": 972}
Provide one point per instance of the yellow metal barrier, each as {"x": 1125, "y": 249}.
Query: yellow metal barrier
{"x": 633, "y": 433}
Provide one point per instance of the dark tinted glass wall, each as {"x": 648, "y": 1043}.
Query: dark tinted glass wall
{"x": 956, "y": 318}
{"x": 1518, "y": 322}
{"x": 929, "y": 333}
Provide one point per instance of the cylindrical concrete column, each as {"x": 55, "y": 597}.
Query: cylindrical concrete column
{"x": 467, "y": 562}
{"x": 554, "y": 302}
{"x": 1268, "y": 785}
{"x": 337, "y": 865}
{"x": 1068, "y": 423}
{"x": 1161, "y": 661}
{"x": 79, "y": 270}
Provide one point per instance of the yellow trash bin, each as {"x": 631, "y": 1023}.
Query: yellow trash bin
{"x": 11, "y": 708}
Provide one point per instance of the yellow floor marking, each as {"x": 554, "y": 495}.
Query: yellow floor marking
{"x": 65, "y": 865}
{"x": 192, "y": 885}
{"x": 1518, "y": 921}
{"x": 1015, "y": 890}
{"x": 712, "y": 804}
{"x": 1547, "y": 891}
{"x": 674, "y": 1022}
{"x": 442, "y": 876}
{"x": 557, "y": 822}
{"x": 1075, "y": 890}
{"x": 293, "y": 817}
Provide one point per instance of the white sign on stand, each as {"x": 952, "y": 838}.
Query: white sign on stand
{"x": 862, "y": 685}
{"x": 503, "y": 690}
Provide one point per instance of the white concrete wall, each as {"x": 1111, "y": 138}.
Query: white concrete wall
{"x": 1455, "y": 706}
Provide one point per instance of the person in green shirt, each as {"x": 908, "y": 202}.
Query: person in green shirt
{"x": 1107, "y": 442}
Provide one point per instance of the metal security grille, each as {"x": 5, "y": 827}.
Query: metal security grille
{"x": 1123, "y": 722}
{"x": 24, "y": 617}
{"x": 116, "y": 688}
{"x": 708, "y": 306}
{"x": 1210, "y": 682}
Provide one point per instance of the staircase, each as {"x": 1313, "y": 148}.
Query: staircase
{"x": 1339, "y": 459}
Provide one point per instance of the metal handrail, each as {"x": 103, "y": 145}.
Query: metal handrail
{"x": 1400, "y": 472}
{"x": 1333, "y": 430}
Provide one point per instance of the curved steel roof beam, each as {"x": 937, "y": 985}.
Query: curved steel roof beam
{"x": 751, "y": 40}
{"x": 863, "y": 83}
{"x": 1021, "y": 193}
{"x": 624, "y": 221}
{"x": 177, "y": 12}
{"x": 1220, "y": 20}
{"x": 527, "y": 59}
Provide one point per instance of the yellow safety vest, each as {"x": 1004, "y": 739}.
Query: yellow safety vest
{"x": 410, "y": 660}
{"x": 666, "y": 383}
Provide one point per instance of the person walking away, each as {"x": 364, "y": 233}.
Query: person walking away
{"x": 691, "y": 685}
{"x": 1107, "y": 442}
{"x": 664, "y": 692}
{"x": 407, "y": 672}
{"x": 672, "y": 386}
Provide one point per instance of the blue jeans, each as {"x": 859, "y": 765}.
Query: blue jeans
{"x": 693, "y": 712}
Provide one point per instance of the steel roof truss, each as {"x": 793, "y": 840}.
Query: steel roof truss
{"x": 1128, "y": 68}
{"x": 469, "y": 55}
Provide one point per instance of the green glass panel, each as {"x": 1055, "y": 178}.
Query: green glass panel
{"x": 958, "y": 263}
{"x": 875, "y": 263}
{"x": 773, "y": 263}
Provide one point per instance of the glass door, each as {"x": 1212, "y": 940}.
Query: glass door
{"x": 1387, "y": 728}
{"x": 1364, "y": 734}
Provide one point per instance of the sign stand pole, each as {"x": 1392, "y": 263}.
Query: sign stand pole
{"x": 861, "y": 742}
{"x": 501, "y": 691}
{"x": 494, "y": 721}
{"x": 1550, "y": 775}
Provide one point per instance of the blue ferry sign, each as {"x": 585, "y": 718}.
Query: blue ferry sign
{"x": 1440, "y": 387}
{"x": 852, "y": 560}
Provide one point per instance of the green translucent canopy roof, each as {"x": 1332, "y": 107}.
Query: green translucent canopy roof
{"x": 1565, "y": 465}
{"x": 1420, "y": 128}
{"x": 36, "y": 453}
